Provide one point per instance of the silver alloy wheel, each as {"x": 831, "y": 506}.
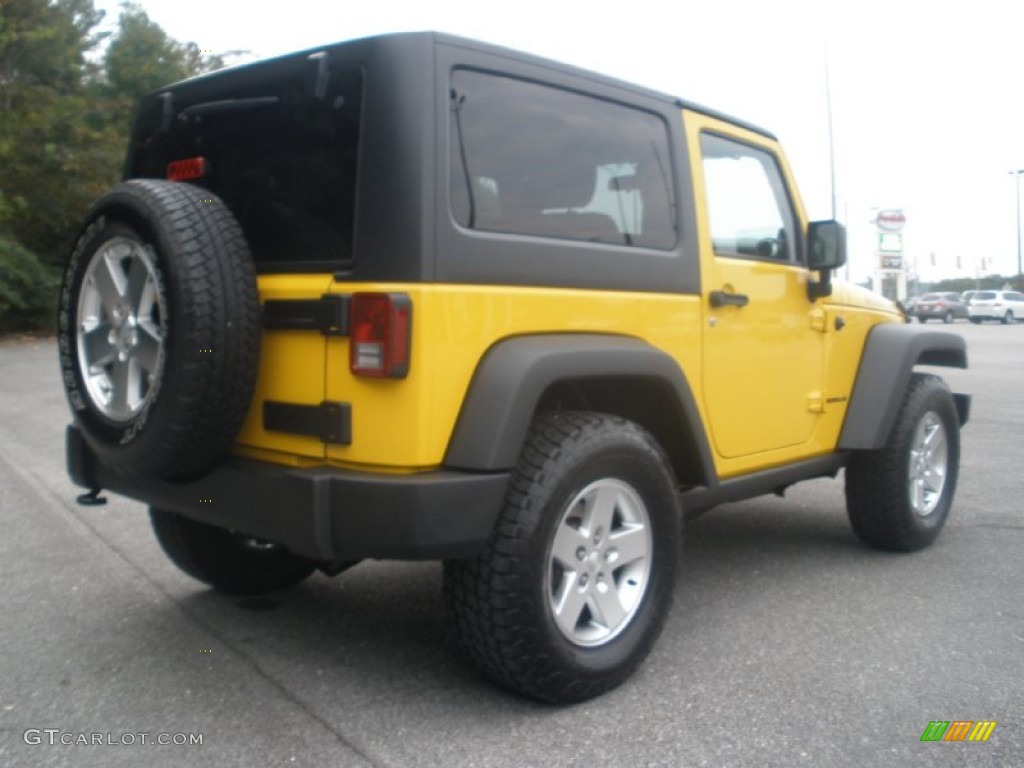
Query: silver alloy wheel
{"x": 599, "y": 563}
{"x": 120, "y": 329}
{"x": 929, "y": 460}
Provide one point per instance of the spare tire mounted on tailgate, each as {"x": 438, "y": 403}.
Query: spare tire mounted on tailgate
{"x": 159, "y": 329}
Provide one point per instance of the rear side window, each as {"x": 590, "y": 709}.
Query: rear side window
{"x": 532, "y": 159}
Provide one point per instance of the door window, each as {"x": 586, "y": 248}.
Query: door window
{"x": 749, "y": 212}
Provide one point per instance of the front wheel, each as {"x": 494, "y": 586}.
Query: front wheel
{"x": 899, "y": 496}
{"x": 228, "y": 561}
{"x": 573, "y": 588}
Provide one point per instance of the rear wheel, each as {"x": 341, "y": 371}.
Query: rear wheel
{"x": 228, "y": 561}
{"x": 948, "y": 317}
{"x": 571, "y": 592}
{"x": 922, "y": 319}
{"x": 899, "y": 496}
{"x": 976, "y": 320}
{"x": 1008, "y": 317}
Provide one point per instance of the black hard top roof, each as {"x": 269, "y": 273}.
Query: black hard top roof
{"x": 417, "y": 38}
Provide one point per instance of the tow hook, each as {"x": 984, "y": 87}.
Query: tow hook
{"x": 92, "y": 498}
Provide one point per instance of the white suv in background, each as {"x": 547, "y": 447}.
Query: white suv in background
{"x": 1007, "y": 306}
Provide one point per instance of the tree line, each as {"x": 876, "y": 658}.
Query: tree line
{"x": 67, "y": 94}
{"x": 961, "y": 284}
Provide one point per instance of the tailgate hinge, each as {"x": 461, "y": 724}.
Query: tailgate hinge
{"x": 329, "y": 421}
{"x": 328, "y": 314}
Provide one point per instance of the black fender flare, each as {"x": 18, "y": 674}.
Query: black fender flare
{"x": 514, "y": 374}
{"x": 890, "y": 354}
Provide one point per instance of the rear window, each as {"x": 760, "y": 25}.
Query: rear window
{"x": 281, "y": 154}
{"x": 532, "y": 159}
{"x": 983, "y": 296}
{"x": 932, "y": 297}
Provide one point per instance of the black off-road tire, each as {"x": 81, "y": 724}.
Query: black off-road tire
{"x": 203, "y": 313}
{"x": 884, "y": 509}
{"x": 227, "y": 561}
{"x": 502, "y": 603}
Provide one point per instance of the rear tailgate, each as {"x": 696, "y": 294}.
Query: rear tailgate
{"x": 277, "y": 142}
{"x": 291, "y": 373}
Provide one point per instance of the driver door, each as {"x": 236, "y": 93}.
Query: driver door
{"x": 763, "y": 356}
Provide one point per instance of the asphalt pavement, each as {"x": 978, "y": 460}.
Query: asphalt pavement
{"x": 790, "y": 643}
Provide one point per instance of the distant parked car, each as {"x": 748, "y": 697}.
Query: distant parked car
{"x": 940, "y": 306}
{"x": 1007, "y": 306}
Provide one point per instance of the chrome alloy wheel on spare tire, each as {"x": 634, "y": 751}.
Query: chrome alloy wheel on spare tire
{"x": 159, "y": 329}
{"x": 120, "y": 329}
{"x": 600, "y": 562}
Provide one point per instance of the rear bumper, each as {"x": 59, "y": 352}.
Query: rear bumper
{"x": 322, "y": 513}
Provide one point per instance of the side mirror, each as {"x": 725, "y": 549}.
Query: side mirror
{"x": 826, "y": 250}
{"x": 826, "y": 242}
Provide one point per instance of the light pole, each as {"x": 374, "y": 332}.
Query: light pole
{"x": 1020, "y": 273}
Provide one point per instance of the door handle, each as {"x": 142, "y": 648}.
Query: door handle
{"x": 723, "y": 299}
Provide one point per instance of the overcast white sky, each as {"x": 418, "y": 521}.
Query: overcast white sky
{"x": 927, "y": 98}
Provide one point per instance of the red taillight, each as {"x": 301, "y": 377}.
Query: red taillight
{"x": 380, "y": 332}
{"x": 186, "y": 170}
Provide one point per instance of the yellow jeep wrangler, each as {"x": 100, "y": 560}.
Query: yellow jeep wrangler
{"x": 419, "y": 297}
